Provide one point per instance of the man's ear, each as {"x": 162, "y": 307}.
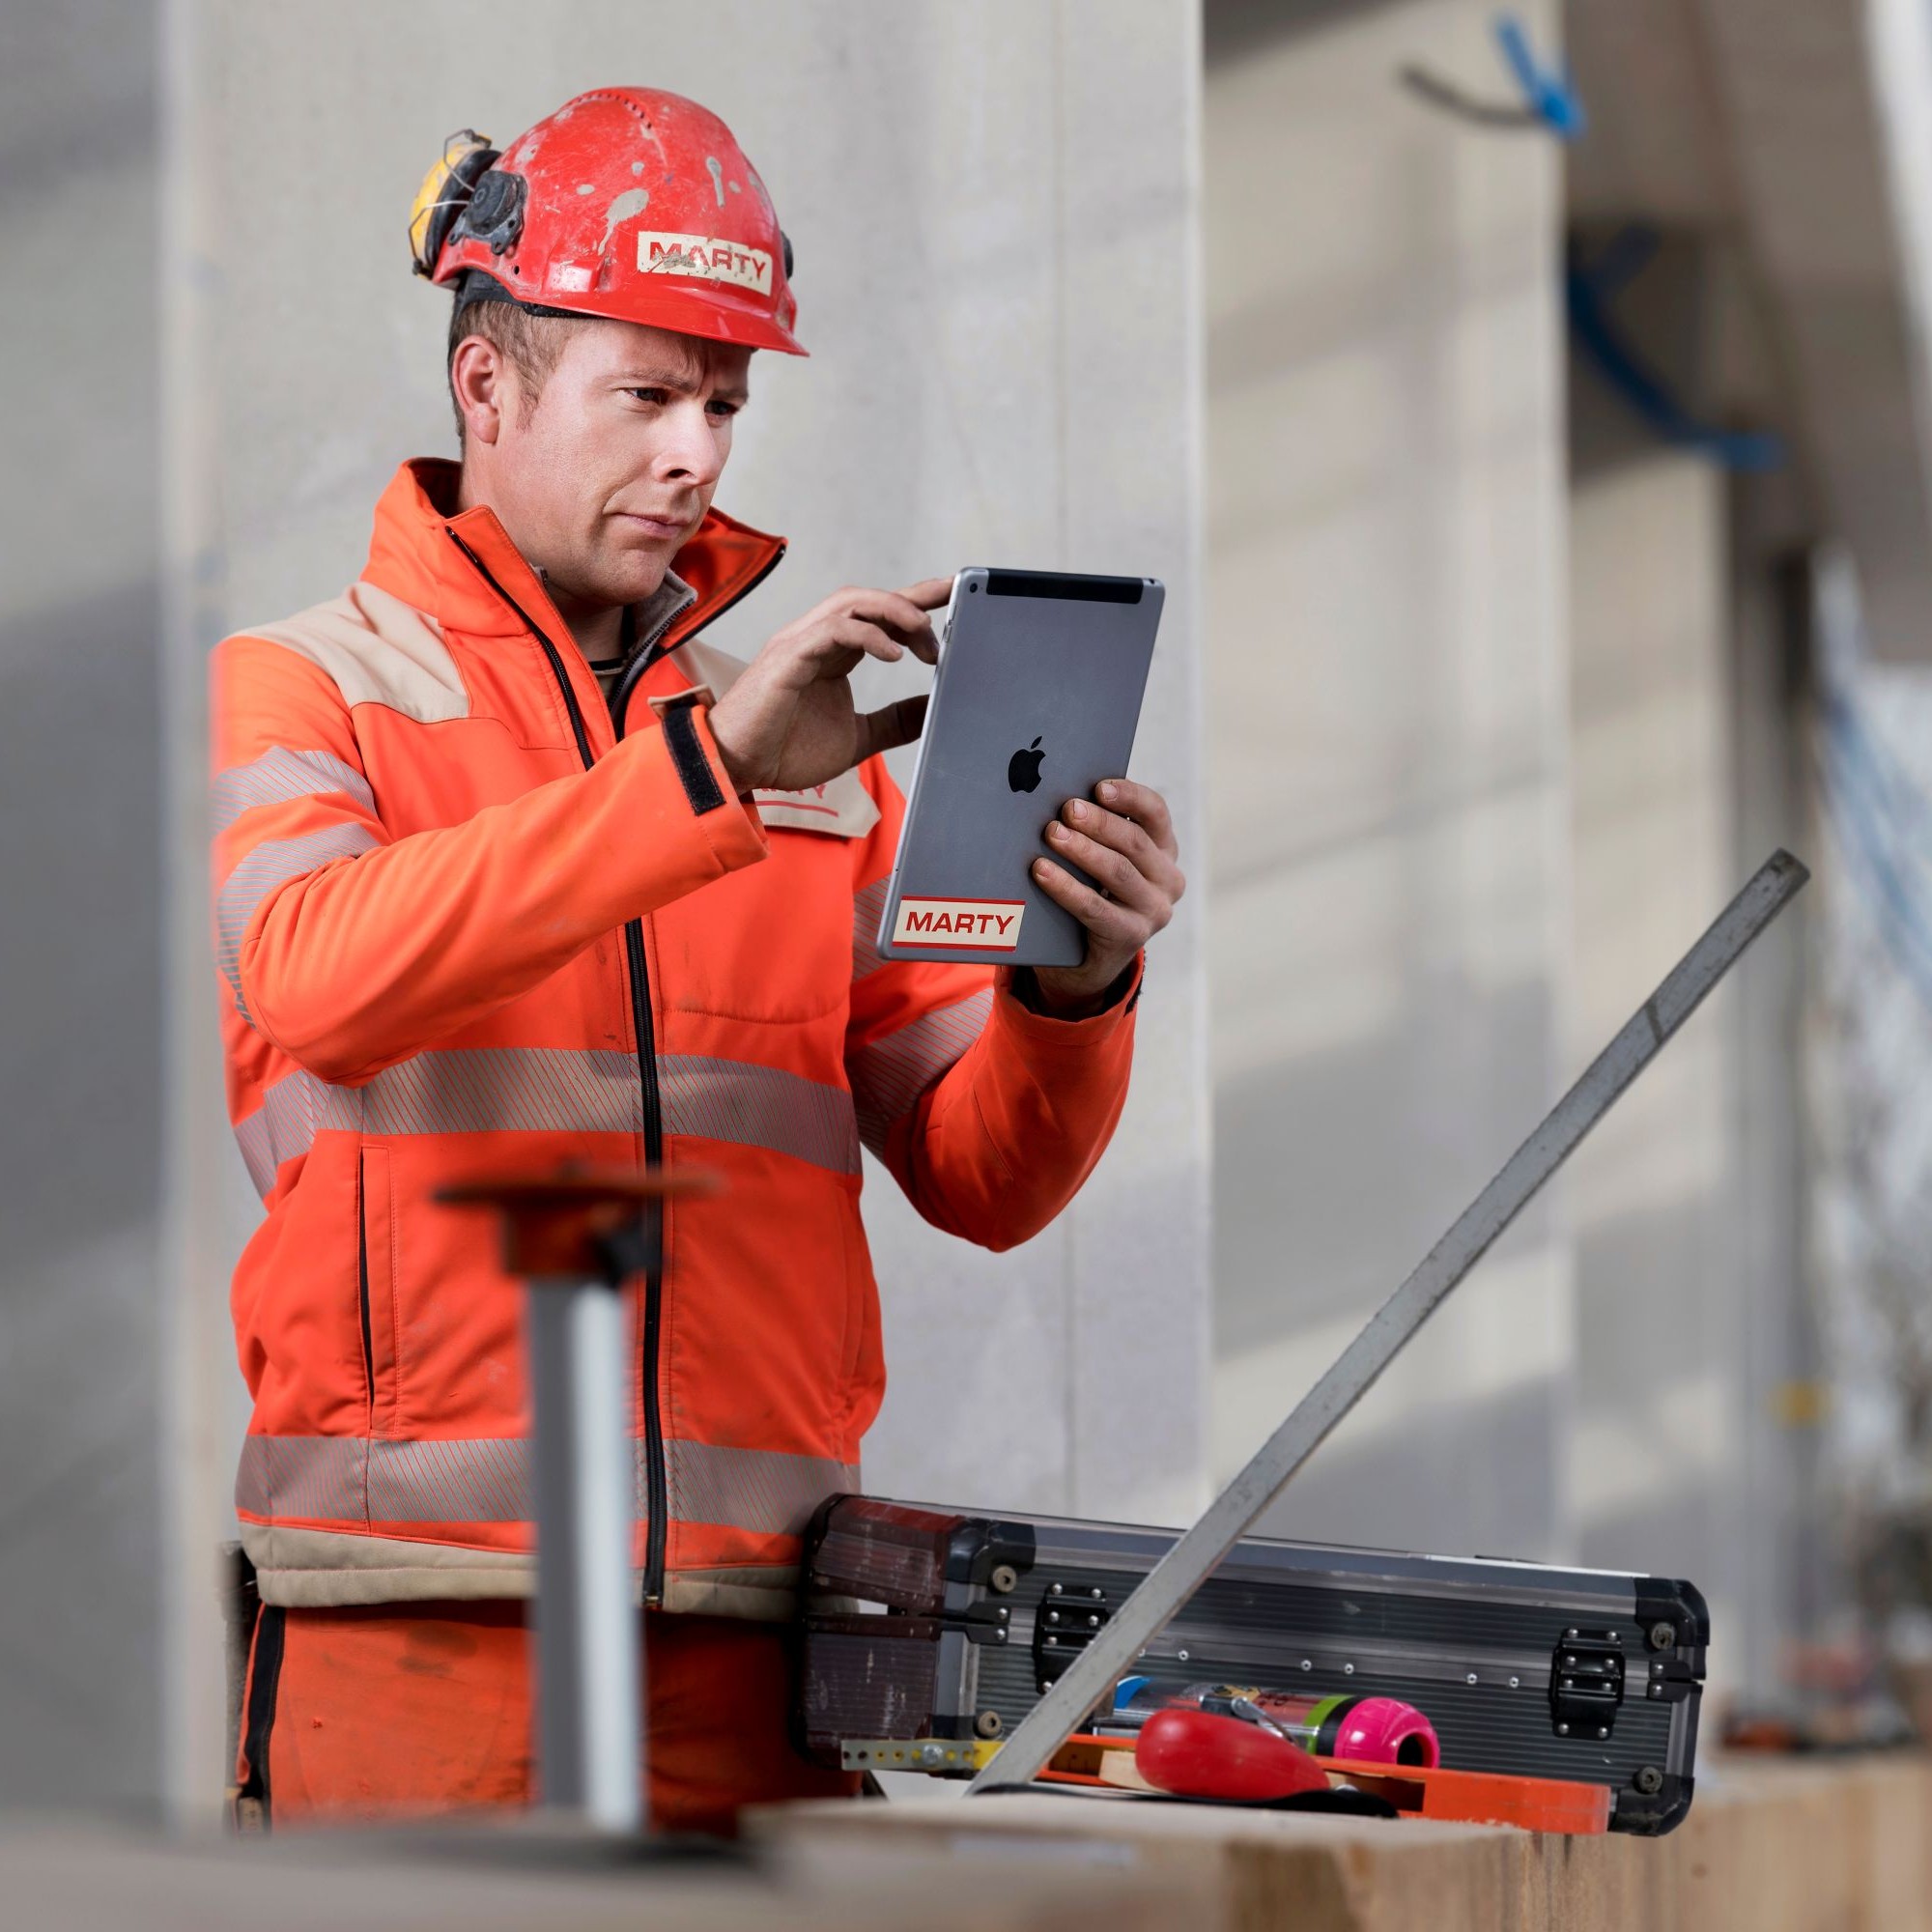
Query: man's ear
{"x": 483, "y": 382}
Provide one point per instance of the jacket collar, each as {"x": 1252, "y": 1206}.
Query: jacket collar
{"x": 461, "y": 568}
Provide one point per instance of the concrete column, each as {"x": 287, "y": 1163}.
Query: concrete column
{"x": 1793, "y": 1573}
{"x": 1654, "y": 1458}
{"x": 1387, "y": 736}
{"x": 82, "y": 1493}
{"x": 1694, "y": 1337}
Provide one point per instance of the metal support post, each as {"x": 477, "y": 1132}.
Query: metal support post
{"x": 577, "y": 1238}
{"x": 589, "y": 1685}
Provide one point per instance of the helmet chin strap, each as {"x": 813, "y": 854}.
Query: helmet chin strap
{"x": 479, "y": 285}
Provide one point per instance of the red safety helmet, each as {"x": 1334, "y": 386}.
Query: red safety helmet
{"x": 625, "y": 203}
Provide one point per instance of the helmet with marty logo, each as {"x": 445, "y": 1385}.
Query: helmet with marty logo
{"x": 626, "y": 203}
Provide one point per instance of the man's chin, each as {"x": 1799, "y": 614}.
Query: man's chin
{"x": 634, "y": 577}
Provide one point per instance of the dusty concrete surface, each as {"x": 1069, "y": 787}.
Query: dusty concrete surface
{"x": 105, "y": 1882}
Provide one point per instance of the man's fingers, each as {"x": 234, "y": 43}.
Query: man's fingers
{"x": 1122, "y": 879}
{"x": 893, "y": 609}
{"x": 930, "y": 592}
{"x": 853, "y": 634}
{"x": 906, "y": 620}
{"x": 1119, "y": 925}
{"x": 902, "y": 613}
{"x": 895, "y": 724}
{"x": 1145, "y": 806}
{"x": 908, "y": 607}
{"x": 1123, "y": 835}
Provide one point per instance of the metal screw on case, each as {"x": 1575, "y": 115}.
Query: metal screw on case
{"x": 1649, "y": 1780}
{"x": 1663, "y": 1636}
{"x": 1005, "y": 1577}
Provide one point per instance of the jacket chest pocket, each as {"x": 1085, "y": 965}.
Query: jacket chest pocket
{"x": 376, "y": 1243}
{"x": 772, "y": 942}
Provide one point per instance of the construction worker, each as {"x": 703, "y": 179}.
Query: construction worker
{"x": 512, "y": 868}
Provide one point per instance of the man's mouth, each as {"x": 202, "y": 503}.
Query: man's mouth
{"x": 659, "y": 527}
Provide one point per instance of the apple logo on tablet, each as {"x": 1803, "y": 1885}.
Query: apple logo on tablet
{"x": 1023, "y": 768}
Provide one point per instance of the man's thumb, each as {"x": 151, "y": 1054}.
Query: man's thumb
{"x": 895, "y": 724}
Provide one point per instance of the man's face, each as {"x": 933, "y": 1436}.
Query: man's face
{"x": 601, "y": 482}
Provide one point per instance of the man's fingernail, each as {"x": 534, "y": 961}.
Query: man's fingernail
{"x": 1041, "y": 869}
{"x": 1110, "y": 790}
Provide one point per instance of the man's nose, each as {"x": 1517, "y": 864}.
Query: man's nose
{"x": 691, "y": 450}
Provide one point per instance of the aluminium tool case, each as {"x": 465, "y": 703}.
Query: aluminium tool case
{"x": 923, "y": 1622}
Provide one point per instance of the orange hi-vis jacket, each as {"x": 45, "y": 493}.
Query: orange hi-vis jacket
{"x": 469, "y": 920}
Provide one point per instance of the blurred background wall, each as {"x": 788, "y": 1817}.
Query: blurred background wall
{"x": 1544, "y": 508}
{"x": 82, "y": 945}
{"x": 1528, "y": 427}
{"x": 1387, "y": 666}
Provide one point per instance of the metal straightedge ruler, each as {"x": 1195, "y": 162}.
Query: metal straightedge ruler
{"x": 1185, "y": 1566}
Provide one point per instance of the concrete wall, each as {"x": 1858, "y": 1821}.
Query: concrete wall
{"x": 1388, "y": 723}
{"x": 82, "y": 946}
{"x": 994, "y": 212}
{"x": 1656, "y": 1455}
{"x": 1690, "y": 1454}
{"x": 1793, "y": 1576}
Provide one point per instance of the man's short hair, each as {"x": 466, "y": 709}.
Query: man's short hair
{"x": 530, "y": 343}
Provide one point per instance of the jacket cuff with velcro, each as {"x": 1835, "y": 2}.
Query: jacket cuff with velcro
{"x": 729, "y": 823}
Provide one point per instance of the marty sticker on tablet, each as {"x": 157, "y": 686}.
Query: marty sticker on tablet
{"x": 1035, "y": 700}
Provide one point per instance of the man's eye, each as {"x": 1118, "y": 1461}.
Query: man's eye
{"x": 649, "y": 395}
{"x": 722, "y": 409}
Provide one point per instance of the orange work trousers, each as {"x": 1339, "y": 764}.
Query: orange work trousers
{"x": 365, "y": 1716}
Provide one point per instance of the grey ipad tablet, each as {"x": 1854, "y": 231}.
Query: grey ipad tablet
{"x": 1035, "y": 700}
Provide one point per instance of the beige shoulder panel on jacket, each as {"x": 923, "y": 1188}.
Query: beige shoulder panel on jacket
{"x": 379, "y": 650}
{"x": 843, "y": 809}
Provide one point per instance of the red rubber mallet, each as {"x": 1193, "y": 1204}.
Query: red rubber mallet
{"x": 1197, "y": 1754}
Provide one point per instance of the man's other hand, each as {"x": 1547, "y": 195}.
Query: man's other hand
{"x": 1122, "y": 840}
{"x": 789, "y": 722}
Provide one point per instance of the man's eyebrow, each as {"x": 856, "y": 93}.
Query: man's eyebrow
{"x": 683, "y": 383}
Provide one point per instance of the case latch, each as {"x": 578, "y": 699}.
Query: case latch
{"x": 1586, "y": 1683}
{"x": 1068, "y": 1618}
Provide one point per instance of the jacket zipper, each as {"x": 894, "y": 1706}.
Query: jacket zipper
{"x": 656, "y": 1489}
{"x": 362, "y": 1294}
